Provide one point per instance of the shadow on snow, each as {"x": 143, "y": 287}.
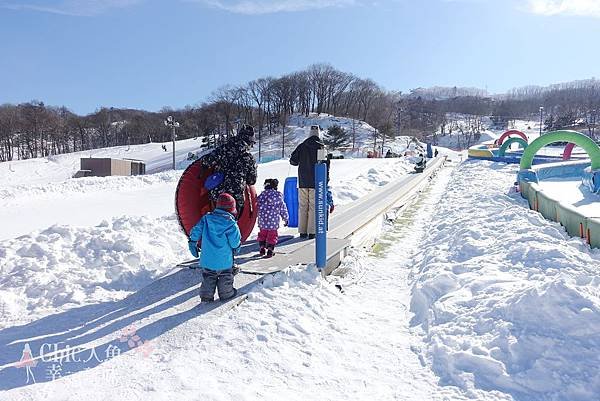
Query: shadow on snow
{"x": 103, "y": 323}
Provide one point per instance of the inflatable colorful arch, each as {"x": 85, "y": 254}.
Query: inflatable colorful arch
{"x": 506, "y": 145}
{"x": 507, "y": 134}
{"x": 574, "y": 137}
{"x": 568, "y": 152}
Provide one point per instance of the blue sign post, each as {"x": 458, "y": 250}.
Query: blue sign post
{"x": 321, "y": 214}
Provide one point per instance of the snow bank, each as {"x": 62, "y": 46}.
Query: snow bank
{"x": 88, "y": 185}
{"x": 65, "y": 266}
{"x": 298, "y": 334}
{"x": 507, "y": 300}
{"x": 379, "y": 174}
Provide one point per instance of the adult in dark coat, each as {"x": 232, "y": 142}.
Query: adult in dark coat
{"x": 421, "y": 163}
{"x": 305, "y": 157}
{"x": 237, "y": 164}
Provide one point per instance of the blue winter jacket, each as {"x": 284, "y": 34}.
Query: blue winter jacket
{"x": 220, "y": 235}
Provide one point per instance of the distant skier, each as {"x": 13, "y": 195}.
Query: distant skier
{"x": 220, "y": 237}
{"x": 235, "y": 161}
{"x": 271, "y": 209}
{"x": 305, "y": 157}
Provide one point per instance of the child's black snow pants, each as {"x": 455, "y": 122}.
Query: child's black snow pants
{"x": 221, "y": 280}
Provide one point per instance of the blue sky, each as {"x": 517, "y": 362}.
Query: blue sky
{"x": 153, "y": 53}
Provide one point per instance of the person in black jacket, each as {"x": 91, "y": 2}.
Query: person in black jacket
{"x": 421, "y": 163}
{"x": 236, "y": 163}
{"x": 305, "y": 157}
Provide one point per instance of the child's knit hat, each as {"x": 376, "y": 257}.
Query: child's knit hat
{"x": 227, "y": 203}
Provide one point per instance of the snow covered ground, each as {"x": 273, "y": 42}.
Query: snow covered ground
{"x": 531, "y": 128}
{"x": 297, "y": 338}
{"x": 89, "y": 201}
{"x": 90, "y": 240}
{"x": 58, "y": 168}
{"x": 571, "y": 191}
{"x": 38, "y": 172}
{"x": 69, "y": 242}
{"x": 469, "y": 295}
{"x": 507, "y": 301}
{"x": 453, "y": 141}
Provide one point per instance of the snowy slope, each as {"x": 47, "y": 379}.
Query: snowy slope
{"x": 88, "y": 240}
{"x": 470, "y": 295}
{"x": 297, "y": 338}
{"x": 299, "y": 125}
{"x": 58, "y": 168}
{"x": 452, "y": 141}
{"x": 489, "y": 133}
{"x": 507, "y": 301}
{"x": 531, "y": 128}
{"x": 41, "y": 171}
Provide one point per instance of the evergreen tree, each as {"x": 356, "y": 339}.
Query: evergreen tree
{"x": 336, "y": 138}
{"x": 549, "y": 123}
{"x": 565, "y": 120}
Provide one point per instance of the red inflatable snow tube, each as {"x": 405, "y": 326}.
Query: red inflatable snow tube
{"x": 192, "y": 201}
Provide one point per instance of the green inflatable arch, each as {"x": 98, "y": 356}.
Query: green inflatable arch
{"x": 561, "y": 136}
{"x": 506, "y": 145}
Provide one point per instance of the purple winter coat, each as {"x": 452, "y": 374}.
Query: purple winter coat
{"x": 270, "y": 208}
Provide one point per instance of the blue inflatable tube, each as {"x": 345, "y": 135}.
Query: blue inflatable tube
{"x": 290, "y": 197}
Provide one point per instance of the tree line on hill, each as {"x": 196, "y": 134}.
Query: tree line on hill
{"x": 34, "y": 129}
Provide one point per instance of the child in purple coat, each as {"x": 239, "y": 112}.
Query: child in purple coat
{"x": 271, "y": 208}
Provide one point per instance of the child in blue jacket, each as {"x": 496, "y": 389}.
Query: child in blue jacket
{"x": 220, "y": 236}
